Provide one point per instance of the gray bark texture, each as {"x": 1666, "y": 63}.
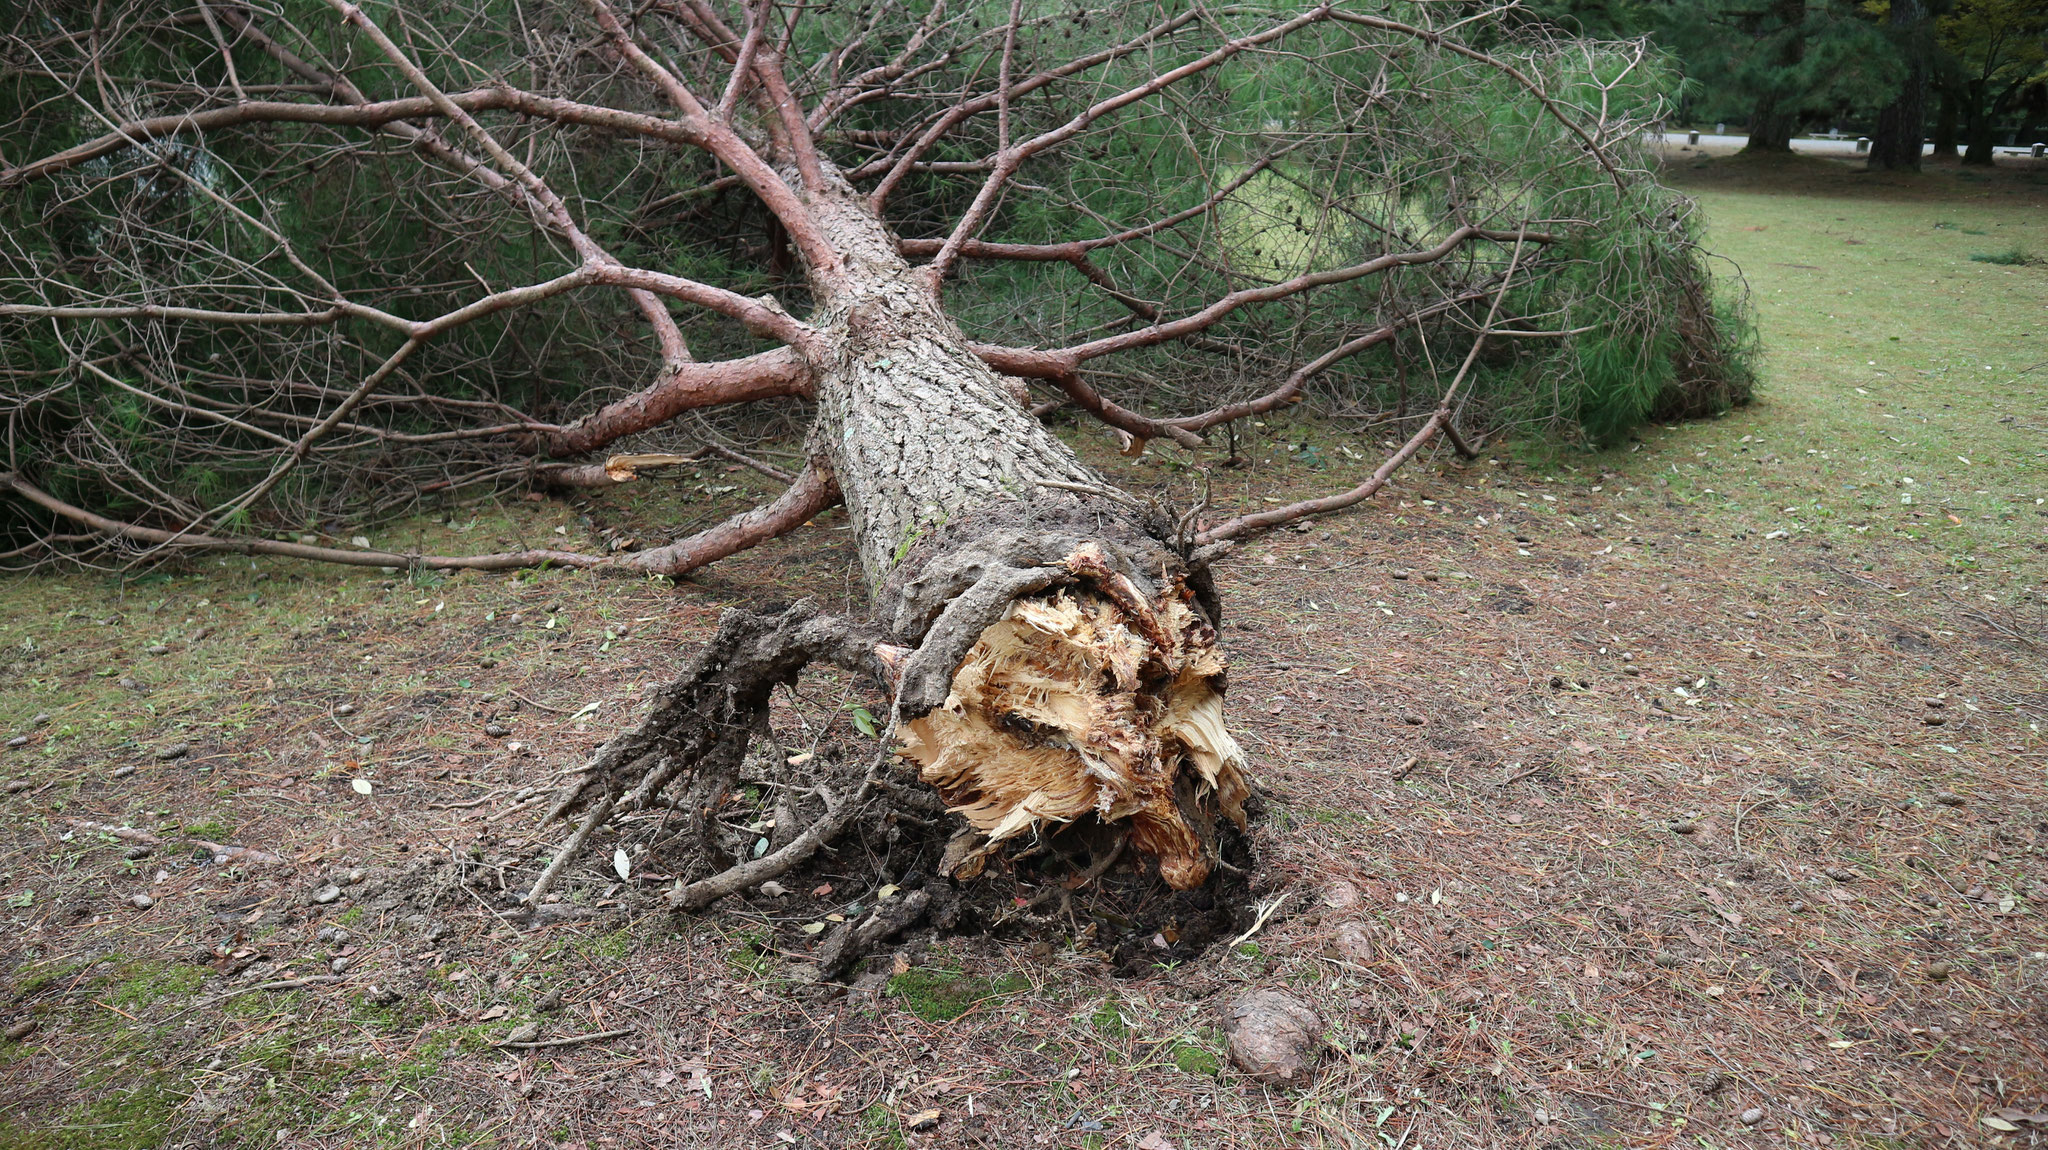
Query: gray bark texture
{"x": 920, "y": 431}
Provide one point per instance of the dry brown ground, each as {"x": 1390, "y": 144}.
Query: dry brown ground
{"x": 1700, "y": 822}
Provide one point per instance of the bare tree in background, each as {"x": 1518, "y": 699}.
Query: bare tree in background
{"x": 299, "y": 259}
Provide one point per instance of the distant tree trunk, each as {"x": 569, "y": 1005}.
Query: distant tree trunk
{"x": 1901, "y": 124}
{"x": 1979, "y": 117}
{"x": 1947, "y": 124}
{"x": 2033, "y": 107}
{"x": 1770, "y": 130}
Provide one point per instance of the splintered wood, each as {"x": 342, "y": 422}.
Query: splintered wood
{"x": 1083, "y": 700}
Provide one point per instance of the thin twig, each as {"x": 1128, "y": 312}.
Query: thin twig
{"x": 571, "y": 1040}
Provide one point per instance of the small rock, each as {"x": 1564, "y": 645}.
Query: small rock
{"x": 138, "y": 852}
{"x": 156, "y": 649}
{"x": 1272, "y": 1035}
{"x": 524, "y": 1032}
{"x": 1339, "y": 894}
{"x": 21, "y": 1030}
{"x": 174, "y": 751}
{"x": 18, "y": 741}
{"x": 327, "y": 934}
{"x": 338, "y": 965}
{"x": 1352, "y": 942}
{"x": 773, "y": 889}
{"x": 1752, "y": 1116}
{"x": 141, "y": 901}
{"x": 123, "y": 771}
{"x": 1948, "y": 798}
{"x": 17, "y": 786}
{"x": 355, "y": 875}
{"x": 327, "y": 894}
{"x": 1939, "y": 971}
{"x": 496, "y": 731}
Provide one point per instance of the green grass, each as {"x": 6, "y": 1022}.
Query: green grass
{"x": 1904, "y": 381}
{"x": 2010, "y": 257}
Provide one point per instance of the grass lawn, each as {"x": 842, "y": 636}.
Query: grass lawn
{"x": 1726, "y": 824}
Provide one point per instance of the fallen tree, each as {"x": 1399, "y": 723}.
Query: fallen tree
{"x": 1048, "y": 641}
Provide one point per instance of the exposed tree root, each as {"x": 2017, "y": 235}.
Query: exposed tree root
{"x": 1042, "y": 693}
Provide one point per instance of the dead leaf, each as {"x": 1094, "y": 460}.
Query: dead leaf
{"x": 926, "y": 1119}
{"x": 494, "y": 1012}
{"x": 812, "y": 927}
{"x": 361, "y": 786}
{"x": 1155, "y": 1141}
{"x": 622, "y": 864}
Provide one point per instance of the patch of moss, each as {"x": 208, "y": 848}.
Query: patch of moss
{"x": 1109, "y": 1021}
{"x": 212, "y": 830}
{"x": 751, "y": 956}
{"x": 142, "y": 983}
{"x": 137, "y": 1118}
{"x": 1197, "y": 1060}
{"x": 942, "y": 996}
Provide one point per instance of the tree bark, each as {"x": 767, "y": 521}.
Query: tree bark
{"x": 1902, "y": 123}
{"x": 1947, "y": 123}
{"x": 1770, "y": 130}
{"x": 1065, "y": 663}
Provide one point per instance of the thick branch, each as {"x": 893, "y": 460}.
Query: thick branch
{"x": 814, "y": 491}
{"x": 689, "y": 386}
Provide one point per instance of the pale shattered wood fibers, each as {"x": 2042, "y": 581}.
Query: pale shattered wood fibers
{"x": 1065, "y": 708}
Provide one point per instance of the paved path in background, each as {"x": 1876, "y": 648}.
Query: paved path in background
{"x": 1821, "y": 147}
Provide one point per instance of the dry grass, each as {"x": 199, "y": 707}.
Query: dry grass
{"x": 1701, "y": 820}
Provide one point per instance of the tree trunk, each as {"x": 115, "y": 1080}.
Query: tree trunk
{"x": 1900, "y": 125}
{"x": 1947, "y": 124}
{"x": 1052, "y": 649}
{"x": 1067, "y": 664}
{"x": 2033, "y": 105}
{"x": 1770, "y": 130}
{"x": 1978, "y": 118}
